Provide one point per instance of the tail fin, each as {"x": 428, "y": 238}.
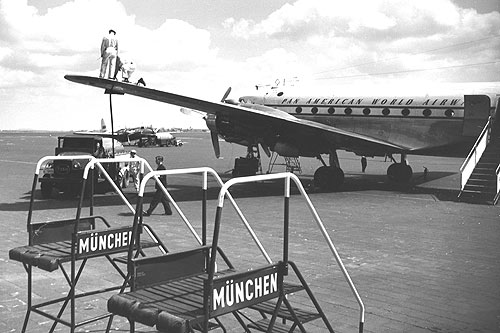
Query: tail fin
{"x": 103, "y": 125}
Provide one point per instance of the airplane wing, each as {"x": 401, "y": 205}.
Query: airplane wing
{"x": 101, "y": 134}
{"x": 253, "y": 112}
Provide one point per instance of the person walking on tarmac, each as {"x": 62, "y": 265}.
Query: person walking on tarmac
{"x": 134, "y": 169}
{"x": 109, "y": 52}
{"x": 364, "y": 163}
{"x": 159, "y": 195}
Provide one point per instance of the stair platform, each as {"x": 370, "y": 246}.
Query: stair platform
{"x": 174, "y": 306}
{"x": 263, "y": 324}
{"x": 302, "y": 315}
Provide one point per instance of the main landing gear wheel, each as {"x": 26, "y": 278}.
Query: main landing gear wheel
{"x": 399, "y": 172}
{"x": 328, "y": 177}
{"x": 46, "y": 189}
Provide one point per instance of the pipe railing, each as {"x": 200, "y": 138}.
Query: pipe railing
{"x": 288, "y": 177}
{"x": 205, "y": 171}
{"x": 497, "y": 196}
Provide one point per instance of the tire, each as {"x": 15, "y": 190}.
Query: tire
{"x": 46, "y": 189}
{"x": 328, "y": 178}
{"x": 399, "y": 173}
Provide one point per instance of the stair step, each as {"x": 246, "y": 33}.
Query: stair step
{"x": 211, "y": 326}
{"x": 477, "y": 193}
{"x": 479, "y": 189}
{"x": 481, "y": 180}
{"x": 263, "y": 324}
{"x": 303, "y": 316}
{"x": 484, "y": 171}
{"x": 290, "y": 288}
{"x": 476, "y": 198}
{"x": 493, "y": 158}
{"x": 486, "y": 162}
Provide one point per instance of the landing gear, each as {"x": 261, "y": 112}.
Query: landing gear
{"x": 400, "y": 172}
{"x": 329, "y": 177}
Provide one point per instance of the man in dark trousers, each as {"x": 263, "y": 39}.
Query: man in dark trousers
{"x": 159, "y": 195}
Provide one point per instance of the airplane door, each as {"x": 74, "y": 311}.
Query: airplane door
{"x": 476, "y": 112}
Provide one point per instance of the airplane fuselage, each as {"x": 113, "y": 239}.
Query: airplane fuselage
{"x": 444, "y": 125}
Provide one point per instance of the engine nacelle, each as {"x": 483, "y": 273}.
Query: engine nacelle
{"x": 286, "y": 149}
{"x": 211, "y": 120}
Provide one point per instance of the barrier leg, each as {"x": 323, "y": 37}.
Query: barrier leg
{"x": 28, "y": 269}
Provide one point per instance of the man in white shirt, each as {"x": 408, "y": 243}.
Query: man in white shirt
{"x": 109, "y": 52}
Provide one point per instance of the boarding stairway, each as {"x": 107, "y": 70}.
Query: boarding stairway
{"x": 292, "y": 164}
{"x": 193, "y": 290}
{"x": 480, "y": 173}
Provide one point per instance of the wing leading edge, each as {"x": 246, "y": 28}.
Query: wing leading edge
{"x": 265, "y": 113}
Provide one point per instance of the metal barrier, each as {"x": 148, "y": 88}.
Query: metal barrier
{"x": 53, "y": 243}
{"x": 288, "y": 177}
{"x": 224, "y": 192}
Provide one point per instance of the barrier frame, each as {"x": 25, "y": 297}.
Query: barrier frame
{"x": 224, "y": 192}
{"x": 76, "y": 271}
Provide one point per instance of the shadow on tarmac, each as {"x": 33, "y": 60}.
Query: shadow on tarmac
{"x": 183, "y": 190}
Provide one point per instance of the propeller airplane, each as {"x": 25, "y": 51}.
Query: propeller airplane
{"x": 294, "y": 126}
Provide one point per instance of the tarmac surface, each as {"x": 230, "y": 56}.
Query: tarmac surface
{"x": 421, "y": 260}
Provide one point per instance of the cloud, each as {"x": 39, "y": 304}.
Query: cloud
{"x": 38, "y": 49}
{"x": 410, "y": 34}
{"x": 68, "y": 37}
{"x": 357, "y": 18}
{"x": 317, "y": 40}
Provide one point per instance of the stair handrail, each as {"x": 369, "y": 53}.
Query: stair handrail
{"x": 287, "y": 176}
{"x": 204, "y": 171}
{"x": 475, "y": 154}
{"x": 497, "y": 196}
{"x": 98, "y": 163}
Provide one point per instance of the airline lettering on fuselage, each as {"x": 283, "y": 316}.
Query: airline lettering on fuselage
{"x": 443, "y": 102}
{"x": 374, "y": 101}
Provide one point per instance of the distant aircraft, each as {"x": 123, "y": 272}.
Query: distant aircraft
{"x": 311, "y": 126}
{"x": 142, "y": 136}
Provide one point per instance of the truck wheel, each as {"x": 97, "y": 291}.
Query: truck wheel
{"x": 46, "y": 189}
{"x": 72, "y": 191}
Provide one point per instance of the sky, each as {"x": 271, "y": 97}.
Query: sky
{"x": 200, "y": 48}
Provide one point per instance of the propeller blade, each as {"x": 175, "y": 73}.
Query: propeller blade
{"x": 228, "y": 91}
{"x": 215, "y": 143}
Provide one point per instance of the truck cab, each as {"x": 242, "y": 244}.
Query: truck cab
{"x": 66, "y": 175}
